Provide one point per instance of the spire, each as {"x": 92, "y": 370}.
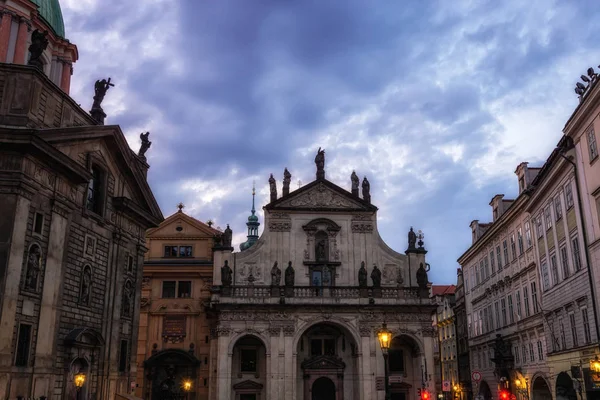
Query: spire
{"x": 252, "y": 224}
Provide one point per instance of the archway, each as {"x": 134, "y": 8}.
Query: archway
{"x": 323, "y": 389}
{"x": 484, "y": 390}
{"x": 404, "y": 365}
{"x": 248, "y": 367}
{"x": 540, "y": 389}
{"x": 327, "y": 350}
{"x": 564, "y": 387}
{"x": 166, "y": 371}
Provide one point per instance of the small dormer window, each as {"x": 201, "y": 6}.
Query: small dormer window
{"x": 95, "y": 195}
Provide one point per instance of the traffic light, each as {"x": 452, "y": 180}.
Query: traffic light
{"x": 419, "y": 392}
{"x": 424, "y": 395}
{"x": 504, "y": 395}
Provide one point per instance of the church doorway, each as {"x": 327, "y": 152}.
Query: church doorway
{"x": 323, "y": 389}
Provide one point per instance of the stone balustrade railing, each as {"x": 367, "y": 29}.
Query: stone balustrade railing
{"x": 346, "y": 292}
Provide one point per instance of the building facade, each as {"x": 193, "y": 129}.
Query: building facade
{"x": 464, "y": 387}
{"x": 298, "y": 312}
{"x": 503, "y": 297}
{"x": 444, "y": 297}
{"x": 173, "y": 342}
{"x": 75, "y": 206}
{"x": 564, "y": 277}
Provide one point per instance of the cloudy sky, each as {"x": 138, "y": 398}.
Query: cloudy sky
{"x": 436, "y": 102}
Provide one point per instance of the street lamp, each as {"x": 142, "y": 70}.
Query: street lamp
{"x": 385, "y": 338}
{"x": 187, "y": 387}
{"x": 456, "y": 389}
{"x": 79, "y": 380}
{"x": 523, "y": 387}
{"x": 595, "y": 365}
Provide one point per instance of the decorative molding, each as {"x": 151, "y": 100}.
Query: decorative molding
{"x": 320, "y": 196}
{"x": 253, "y": 316}
{"x": 365, "y": 329}
{"x": 277, "y": 226}
{"x": 279, "y": 215}
{"x": 362, "y": 227}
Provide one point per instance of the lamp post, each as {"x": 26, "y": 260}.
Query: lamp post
{"x": 385, "y": 337}
{"x": 595, "y": 365}
{"x": 79, "y": 381}
{"x": 456, "y": 389}
{"x": 187, "y": 387}
{"x": 523, "y": 387}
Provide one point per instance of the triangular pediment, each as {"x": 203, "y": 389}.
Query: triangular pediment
{"x": 108, "y": 143}
{"x": 323, "y": 362}
{"x": 248, "y": 384}
{"x": 321, "y": 195}
{"x": 183, "y": 226}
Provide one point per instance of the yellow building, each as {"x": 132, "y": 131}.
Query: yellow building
{"x": 174, "y": 335}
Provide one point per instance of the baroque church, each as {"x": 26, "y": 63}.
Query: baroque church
{"x": 298, "y": 310}
{"x": 74, "y": 208}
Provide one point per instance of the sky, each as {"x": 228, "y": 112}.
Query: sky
{"x": 436, "y": 102}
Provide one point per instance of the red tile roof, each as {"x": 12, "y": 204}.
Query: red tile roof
{"x": 440, "y": 290}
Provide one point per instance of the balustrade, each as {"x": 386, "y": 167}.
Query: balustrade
{"x": 345, "y": 292}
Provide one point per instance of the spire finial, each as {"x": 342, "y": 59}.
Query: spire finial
{"x": 181, "y": 206}
{"x": 253, "y": 194}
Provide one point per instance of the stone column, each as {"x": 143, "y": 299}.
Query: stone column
{"x": 50, "y": 303}
{"x": 368, "y": 388}
{"x": 289, "y": 387}
{"x": 224, "y": 367}
{"x": 5, "y": 26}
{"x": 21, "y": 46}
{"x": 11, "y": 288}
{"x": 65, "y": 79}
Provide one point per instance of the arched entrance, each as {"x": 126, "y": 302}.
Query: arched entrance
{"x": 540, "y": 390}
{"x": 485, "y": 391}
{"x": 327, "y": 355}
{"x": 248, "y": 368}
{"x": 323, "y": 389}
{"x": 404, "y": 365}
{"x": 165, "y": 373}
{"x": 564, "y": 387}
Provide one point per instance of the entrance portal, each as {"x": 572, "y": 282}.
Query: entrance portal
{"x": 323, "y": 389}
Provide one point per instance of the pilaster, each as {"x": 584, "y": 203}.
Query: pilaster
{"x": 21, "y": 46}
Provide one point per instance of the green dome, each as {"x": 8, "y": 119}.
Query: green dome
{"x": 253, "y": 218}
{"x": 50, "y": 12}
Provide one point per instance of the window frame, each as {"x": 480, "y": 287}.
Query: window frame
{"x": 22, "y": 355}
{"x": 98, "y": 202}
{"x": 557, "y": 208}
{"x": 592, "y": 144}
{"x": 569, "y": 196}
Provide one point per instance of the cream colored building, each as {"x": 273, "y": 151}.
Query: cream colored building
{"x": 313, "y": 335}
{"x": 503, "y": 296}
{"x": 443, "y": 296}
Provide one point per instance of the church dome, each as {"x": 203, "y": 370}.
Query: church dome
{"x": 252, "y": 218}
{"x": 50, "y": 12}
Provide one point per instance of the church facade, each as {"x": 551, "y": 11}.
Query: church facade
{"x": 298, "y": 311}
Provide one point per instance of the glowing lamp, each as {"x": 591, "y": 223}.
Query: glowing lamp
{"x": 425, "y": 395}
{"x": 187, "y": 385}
{"x": 455, "y": 387}
{"x": 79, "y": 380}
{"x": 504, "y": 395}
{"x": 595, "y": 365}
{"x": 518, "y": 383}
{"x": 385, "y": 337}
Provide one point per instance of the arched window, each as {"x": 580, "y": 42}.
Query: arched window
{"x": 85, "y": 290}
{"x": 34, "y": 268}
{"x": 321, "y": 246}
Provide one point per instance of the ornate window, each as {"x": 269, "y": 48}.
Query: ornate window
{"x": 321, "y": 246}
{"x": 85, "y": 290}
{"x": 34, "y": 268}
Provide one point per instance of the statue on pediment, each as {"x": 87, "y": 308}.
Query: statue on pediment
{"x": 355, "y": 182}
{"x": 273, "y": 187}
{"x": 366, "y": 190}
{"x": 422, "y": 279}
{"x": 275, "y": 275}
{"x": 362, "y": 275}
{"x": 320, "y": 163}
{"x": 412, "y": 239}
{"x": 226, "y": 274}
{"x": 227, "y": 236}
{"x": 290, "y": 275}
{"x": 145, "y": 144}
{"x": 287, "y": 178}
{"x": 376, "y": 276}
{"x": 39, "y": 43}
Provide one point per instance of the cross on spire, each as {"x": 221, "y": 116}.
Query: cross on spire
{"x": 181, "y": 206}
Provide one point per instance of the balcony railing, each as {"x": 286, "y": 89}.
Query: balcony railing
{"x": 306, "y": 292}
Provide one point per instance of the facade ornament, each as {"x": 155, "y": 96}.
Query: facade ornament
{"x": 32, "y": 274}
{"x": 289, "y": 275}
{"x": 412, "y": 239}
{"x": 320, "y": 163}
{"x": 126, "y": 300}
{"x": 273, "y": 188}
{"x": 362, "y": 275}
{"x": 39, "y": 43}
{"x": 275, "y": 275}
{"x": 366, "y": 190}
{"x": 362, "y": 227}
{"x": 280, "y": 226}
{"x": 86, "y": 285}
{"x": 376, "y": 277}
{"x": 287, "y": 178}
{"x": 364, "y": 329}
{"x": 226, "y": 274}
{"x": 145, "y": 145}
{"x": 355, "y": 182}
{"x": 289, "y": 330}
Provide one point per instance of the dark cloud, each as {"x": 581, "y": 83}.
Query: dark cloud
{"x": 245, "y": 85}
